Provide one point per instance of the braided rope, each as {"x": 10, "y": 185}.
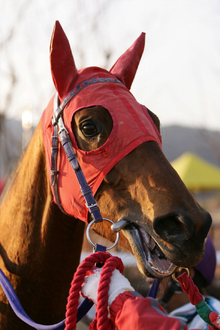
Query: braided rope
{"x": 190, "y": 288}
{"x": 110, "y": 265}
{"x": 101, "y": 322}
{"x": 196, "y": 298}
{"x": 76, "y": 285}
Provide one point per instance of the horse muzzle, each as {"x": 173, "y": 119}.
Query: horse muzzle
{"x": 174, "y": 241}
{"x": 181, "y": 239}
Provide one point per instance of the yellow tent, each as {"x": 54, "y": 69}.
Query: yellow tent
{"x": 196, "y": 173}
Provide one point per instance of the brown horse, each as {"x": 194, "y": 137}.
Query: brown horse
{"x": 117, "y": 144}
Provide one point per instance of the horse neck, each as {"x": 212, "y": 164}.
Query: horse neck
{"x": 39, "y": 242}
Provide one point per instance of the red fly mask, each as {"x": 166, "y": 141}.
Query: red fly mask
{"x": 132, "y": 124}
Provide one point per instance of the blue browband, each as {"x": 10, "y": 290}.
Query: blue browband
{"x": 76, "y": 90}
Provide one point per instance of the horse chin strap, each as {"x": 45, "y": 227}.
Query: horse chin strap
{"x": 65, "y": 140}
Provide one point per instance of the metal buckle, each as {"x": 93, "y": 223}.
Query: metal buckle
{"x": 90, "y": 205}
{"x": 63, "y": 128}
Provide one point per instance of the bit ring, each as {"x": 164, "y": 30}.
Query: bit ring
{"x": 178, "y": 270}
{"x": 90, "y": 240}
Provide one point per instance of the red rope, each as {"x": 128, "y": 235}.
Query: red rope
{"x": 101, "y": 322}
{"x": 196, "y": 297}
{"x": 190, "y": 288}
{"x": 110, "y": 265}
{"x": 74, "y": 293}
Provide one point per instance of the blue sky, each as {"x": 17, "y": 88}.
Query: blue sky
{"x": 179, "y": 74}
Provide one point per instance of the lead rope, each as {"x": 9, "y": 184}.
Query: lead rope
{"x": 196, "y": 299}
{"x": 110, "y": 263}
{"x": 101, "y": 321}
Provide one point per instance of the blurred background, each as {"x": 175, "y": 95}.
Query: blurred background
{"x": 178, "y": 78}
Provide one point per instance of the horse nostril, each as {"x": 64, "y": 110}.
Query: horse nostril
{"x": 173, "y": 227}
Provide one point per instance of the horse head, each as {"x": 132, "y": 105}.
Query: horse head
{"x": 118, "y": 146}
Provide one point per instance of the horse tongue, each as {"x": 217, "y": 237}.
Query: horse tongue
{"x": 158, "y": 263}
{"x": 155, "y": 256}
{"x": 147, "y": 240}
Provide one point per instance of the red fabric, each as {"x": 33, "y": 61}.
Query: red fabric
{"x": 94, "y": 325}
{"x": 62, "y": 63}
{"x": 130, "y": 312}
{"x": 2, "y": 185}
{"x": 132, "y": 126}
{"x": 215, "y": 319}
{"x": 63, "y": 69}
{"x": 126, "y": 66}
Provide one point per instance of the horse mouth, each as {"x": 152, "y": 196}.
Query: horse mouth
{"x": 151, "y": 261}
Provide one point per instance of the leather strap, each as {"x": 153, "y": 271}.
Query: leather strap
{"x": 18, "y": 309}
{"x": 85, "y": 189}
{"x": 54, "y": 152}
{"x": 71, "y": 156}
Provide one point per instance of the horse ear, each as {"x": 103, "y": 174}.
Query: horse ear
{"x": 126, "y": 66}
{"x": 62, "y": 64}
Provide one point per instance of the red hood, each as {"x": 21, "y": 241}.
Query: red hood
{"x": 132, "y": 126}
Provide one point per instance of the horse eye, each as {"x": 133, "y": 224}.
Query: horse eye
{"x": 88, "y": 129}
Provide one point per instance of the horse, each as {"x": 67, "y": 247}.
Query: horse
{"x": 117, "y": 144}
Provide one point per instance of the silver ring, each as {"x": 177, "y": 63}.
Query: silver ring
{"x": 93, "y": 244}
